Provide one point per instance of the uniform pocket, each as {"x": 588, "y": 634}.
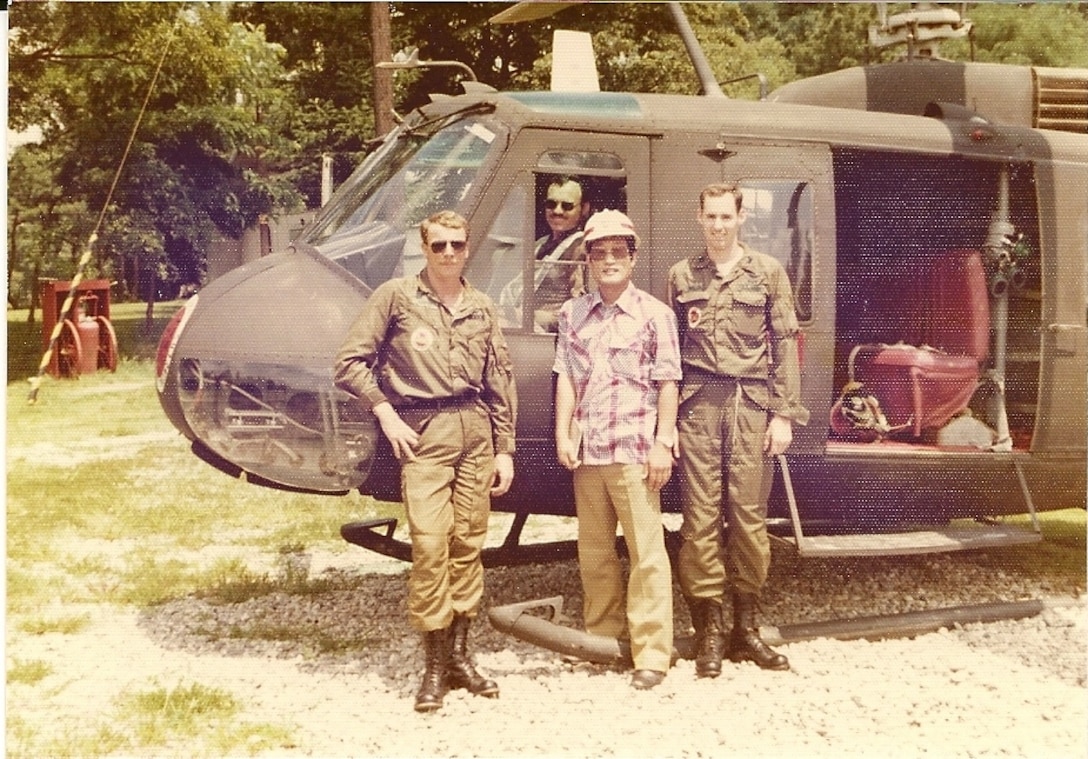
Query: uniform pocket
{"x": 750, "y": 312}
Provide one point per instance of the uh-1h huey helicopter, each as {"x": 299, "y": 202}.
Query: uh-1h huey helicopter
{"x": 932, "y": 215}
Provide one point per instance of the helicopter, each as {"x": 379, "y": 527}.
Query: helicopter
{"x": 932, "y": 216}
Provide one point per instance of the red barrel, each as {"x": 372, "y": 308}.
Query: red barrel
{"x": 88, "y": 339}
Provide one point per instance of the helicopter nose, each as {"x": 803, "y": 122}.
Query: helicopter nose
{"x": 249, "y": 374}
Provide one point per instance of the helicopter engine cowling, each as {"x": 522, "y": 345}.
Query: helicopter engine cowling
{"x": 245, "y": 371}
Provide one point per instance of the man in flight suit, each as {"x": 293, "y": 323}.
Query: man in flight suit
{"x": 739, "y": 398}
{"x": 426, "y": 354}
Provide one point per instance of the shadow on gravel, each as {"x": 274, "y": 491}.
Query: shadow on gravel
{"x": 344, "y": 620}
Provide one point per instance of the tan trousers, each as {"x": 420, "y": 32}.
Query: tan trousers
{"x": 604, "y": 495}
{"x": 446, "y": 495}
{"x": 721, "y": 436}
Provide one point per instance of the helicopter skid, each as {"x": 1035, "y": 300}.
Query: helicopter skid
{"x": 378, "y": 535}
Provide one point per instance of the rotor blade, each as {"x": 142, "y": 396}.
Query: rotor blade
{"x": 530, "y": 10}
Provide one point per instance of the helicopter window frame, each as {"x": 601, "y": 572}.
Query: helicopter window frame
{"x": 368, "y": 226}
{"x": 603, "y": 177}
{"x": 788, "y": 234}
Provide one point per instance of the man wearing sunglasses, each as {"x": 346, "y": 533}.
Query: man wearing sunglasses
{"x": 556, "y": 273}
{"x": 617, "y": 362}
{"x": 565, "y": 208}
{"x": 427, "y": 356}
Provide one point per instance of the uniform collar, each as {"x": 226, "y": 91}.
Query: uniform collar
{"x": 423, "y": 285}
{"x": 702, "y": 260}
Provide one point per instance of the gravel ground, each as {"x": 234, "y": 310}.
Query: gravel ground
{"x": 344, "y": 679}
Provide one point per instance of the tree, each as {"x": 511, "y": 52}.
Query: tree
{"x": 1043, "y": 34}
{"x": 205, "y": 155}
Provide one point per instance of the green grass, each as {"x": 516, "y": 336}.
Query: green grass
{"x": 108, "y": 508}
{"x": 28, "y": 672}
{"x": 135, "y": 340}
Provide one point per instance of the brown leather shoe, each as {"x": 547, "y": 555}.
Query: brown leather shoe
{"x": 644, "y": 679}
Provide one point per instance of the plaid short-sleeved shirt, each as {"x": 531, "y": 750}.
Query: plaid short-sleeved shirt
{"x": 615, "y": 355}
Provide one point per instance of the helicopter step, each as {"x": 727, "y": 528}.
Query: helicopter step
{"x": 931, "y": 539}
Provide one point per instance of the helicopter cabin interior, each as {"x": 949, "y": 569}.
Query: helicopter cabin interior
{"x": 914, "y": 328}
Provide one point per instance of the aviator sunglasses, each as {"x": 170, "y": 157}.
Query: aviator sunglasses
{"x": 566, "y": 205}
{"x": 440, "y": 245}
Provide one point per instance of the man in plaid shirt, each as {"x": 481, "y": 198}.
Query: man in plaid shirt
{"x": 618, "y": 365}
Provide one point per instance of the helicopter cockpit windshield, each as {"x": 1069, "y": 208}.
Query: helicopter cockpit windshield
{"x": 369, "y": 226}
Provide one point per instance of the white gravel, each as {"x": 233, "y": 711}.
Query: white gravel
{"x": 1007, "y": 689}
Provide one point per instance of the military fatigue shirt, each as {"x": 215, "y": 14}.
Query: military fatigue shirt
{"x": 741, "y": 326}
{"x": 407, "y": 346}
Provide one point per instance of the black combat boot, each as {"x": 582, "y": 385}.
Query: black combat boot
{"x": 462, "y": 674}
{"x": 706, "y": 618}
{"x": 433, "y": 688}
{"x": 745, "y": 643}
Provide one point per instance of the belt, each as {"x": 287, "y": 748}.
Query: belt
{"x": 440, "y": 404}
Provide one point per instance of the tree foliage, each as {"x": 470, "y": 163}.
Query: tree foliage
{"x": 253, "y": 94}
{"x": 202, "y": 159}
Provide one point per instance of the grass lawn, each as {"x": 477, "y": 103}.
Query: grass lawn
{"x": 107, "y": 508}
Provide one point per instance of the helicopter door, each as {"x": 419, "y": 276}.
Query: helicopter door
{"x": 790, "y": 215}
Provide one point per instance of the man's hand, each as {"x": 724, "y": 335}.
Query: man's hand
{"x": 779, "y": 435}
{"x": 402, "y": 437}
{"x": 504, "y": 473}
{"x": 567, "y": 452}
{"x": 658, "y": 466}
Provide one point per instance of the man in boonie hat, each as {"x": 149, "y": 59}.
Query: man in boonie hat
{"x": 618, "y": 365}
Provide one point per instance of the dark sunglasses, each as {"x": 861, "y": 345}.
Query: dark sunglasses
{"x": 565, "y": 204}
{"x": 440, "y": 245}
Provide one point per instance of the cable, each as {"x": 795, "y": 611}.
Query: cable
{"x": 36, "y": 380}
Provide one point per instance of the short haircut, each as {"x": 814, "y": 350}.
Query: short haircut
{"x": 562, "y": 179}
{"x": 448, "y": 219}
{"x": 717, "y": 190}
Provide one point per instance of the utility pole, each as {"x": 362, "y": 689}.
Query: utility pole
{"x": 381, "y": 50}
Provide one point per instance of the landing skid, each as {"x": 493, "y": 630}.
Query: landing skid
{"x": 377, "y": 535}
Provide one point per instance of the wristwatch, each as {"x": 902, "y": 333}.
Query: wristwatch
{"x": 667, "y": 440}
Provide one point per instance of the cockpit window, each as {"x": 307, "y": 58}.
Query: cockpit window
{"x": 370, "y": 226}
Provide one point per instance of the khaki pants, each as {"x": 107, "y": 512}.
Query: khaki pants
{"x": 446, "y": 495}
{"x": 721, "y": 436}
{"x": 604, "y": 495}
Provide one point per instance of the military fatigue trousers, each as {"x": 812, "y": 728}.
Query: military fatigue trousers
{"x": 604, "y": 495}
{"x": 721, "y": 438}
{"x": 446, "y": 494}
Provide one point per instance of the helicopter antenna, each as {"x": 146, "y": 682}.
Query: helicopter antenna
{"x": 88, "y": 250}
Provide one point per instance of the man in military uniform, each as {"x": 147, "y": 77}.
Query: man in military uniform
{"x": 738, "y": 401}
{"x": 426, "y": 354}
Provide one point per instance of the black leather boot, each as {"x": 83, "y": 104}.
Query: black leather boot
{"x": 462, "y": 673}
{"x": 706, "y": 618}
{"x": 745, "y": 643}
{"x": 433, "y": 687}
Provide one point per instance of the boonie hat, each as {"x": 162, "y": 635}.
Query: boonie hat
{"x": 608, "y": 223}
